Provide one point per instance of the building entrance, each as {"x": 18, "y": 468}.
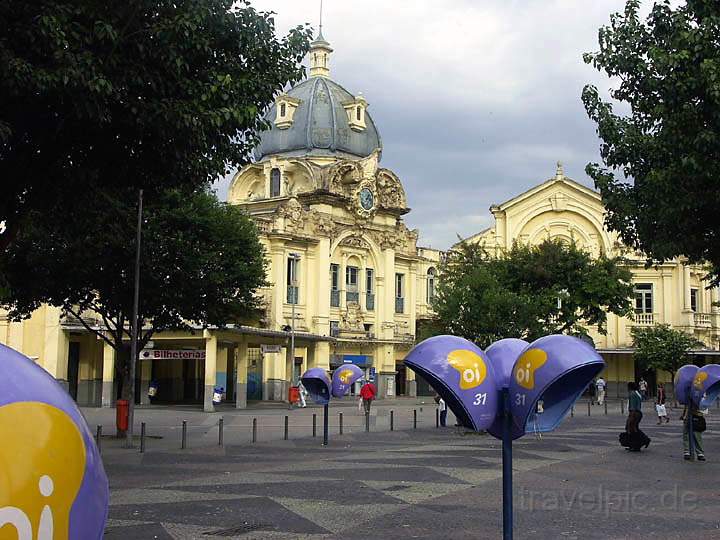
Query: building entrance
{"x": 179, "y": 380}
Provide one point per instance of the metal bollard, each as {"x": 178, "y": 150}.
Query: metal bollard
{"x": 367, "y": 421}
{"x": 414, "y": 418}
{"x": 437, "y": 418}
{"x": 572, "y": 411}
{"x": 184, "y": 435}
{"x": 341, "y": 424}
{"x": 588, "y": 408}
{"x": 221, "y": 425}
{"x": 97, "y": 438}
{"x": 392, "y": 420}
{"x": 286, "y": 428}
{"x": 314, "y": 425}
{"x": 622, "y": 406}
{"x": 254, "y": 432}
{"x": 605, "y": 403}
{"x": 142, "y": 437}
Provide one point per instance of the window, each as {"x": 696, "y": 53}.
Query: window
{"x": 334, "y": 328}
{"x": 275, "y": 182}
{"x": 334, "y": 285}
{"x": 368, "y": 330}
{"x": 358, "y": 113}
{"x": 399, "y": 293}
{"x": 369, "y": 289}
{"x": 643, "y": 298}
{"x": 694, "y": 300}
{"x": 293, "y": 264}
{"x": 430, "y": 285}
{"x": 282, "y": 109}
{"x": 351, "y": 282}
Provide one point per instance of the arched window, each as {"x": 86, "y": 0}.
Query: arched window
{"x": 358, "y": 113}
{"x": 275, "y": 182}
{"x": 430, "y": 285}
{"x": 282, "y": 109}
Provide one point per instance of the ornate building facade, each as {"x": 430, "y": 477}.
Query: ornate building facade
{"x": 347, "y": 281}
{"x": 672, "y": 292}
{"x": 340, "y": 256}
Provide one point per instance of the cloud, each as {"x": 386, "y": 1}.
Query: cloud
{"x": 475, "y": 101}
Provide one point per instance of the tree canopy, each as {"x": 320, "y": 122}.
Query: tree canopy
{"x": 141, "y": 93}
{"x": 661, "y": 176}
{"x": 662, "y": 347}
{"x": 484, "y": 297}
{"x": 201, "y": 265}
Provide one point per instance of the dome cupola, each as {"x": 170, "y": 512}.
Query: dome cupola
{"x": 318, "y": 117}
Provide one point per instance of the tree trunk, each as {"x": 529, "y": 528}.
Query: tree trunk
{"x": 122, "y": 373}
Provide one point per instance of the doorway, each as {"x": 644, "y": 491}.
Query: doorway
{"x": 73, "y": 368}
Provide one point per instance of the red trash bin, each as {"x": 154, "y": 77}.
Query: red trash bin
{"x": 294, "y": 394}
{"x": 122, "y": 409}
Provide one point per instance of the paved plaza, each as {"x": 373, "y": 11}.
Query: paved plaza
{"x": 425, "y": 483}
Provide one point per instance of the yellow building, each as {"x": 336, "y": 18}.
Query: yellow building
{"x": 672, "y": 292}
{"x": 340, "y": 260}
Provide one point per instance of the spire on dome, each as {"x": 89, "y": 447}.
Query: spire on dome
{"x": 320, "y": 53}
{"x": 559, "y": 172}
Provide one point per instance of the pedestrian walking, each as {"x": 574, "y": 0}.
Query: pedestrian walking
{"x": 600, "y": 385}
{"x": 442, "y": 409}
{"x": 368, "y": 393}
{"x": 699, "y": 425}
{"x": 660, "y": 405}
{"x": 643, "y": 387}
{"x": 633, "y": 438}
{"x": 302, "y": 394}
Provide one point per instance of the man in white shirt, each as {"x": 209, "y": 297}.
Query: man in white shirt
{"x": 600, "y": 385}
{"x": 442, "y": 407}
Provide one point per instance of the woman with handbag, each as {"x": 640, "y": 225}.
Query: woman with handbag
{"x": 698, "y": 426}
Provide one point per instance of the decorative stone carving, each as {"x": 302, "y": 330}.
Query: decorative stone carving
{"x": 559, "y": 202}
{"x": 390, "y": 190}
{"x": 352, "y": 319}
{"x": 293, "y": 213}
{"x": 355, "y": 241}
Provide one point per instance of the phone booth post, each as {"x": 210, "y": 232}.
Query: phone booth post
{"x": 499, "y": 390}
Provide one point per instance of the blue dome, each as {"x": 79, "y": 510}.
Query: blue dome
{"x": 320, "y": 125}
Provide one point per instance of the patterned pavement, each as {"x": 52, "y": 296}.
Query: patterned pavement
{"x": 429, "y": 483}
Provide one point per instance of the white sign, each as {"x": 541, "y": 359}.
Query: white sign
{"x": 270, "y": 348}
{"x": 159, "y": 354}
{"x": 390, "y": 387}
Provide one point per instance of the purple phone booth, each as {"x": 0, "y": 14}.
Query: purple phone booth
{"x": 343, "y": 378}
{"x": 683, "y": 383}
{"x": 462, "y": 375}
{"x": 48, "y": 458}
{"x": 317, "y": 384}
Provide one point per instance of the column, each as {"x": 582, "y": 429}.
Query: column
{"x": 410, "y": 382}
{"x": 210, "y": 370}
{"x": 321, "y": 317}
{"x": 686, "y": 287}
{"x": 145, "y": 367}
{"x": 320, "y": 356}
{"x": 668, "y": 304}
{"x": 222, "y": 368}
{"x": 289, "y": 367}
{"x": 276, "y": 274}
{"x": 108, "y": 376}
{"x": 241, "y": 353}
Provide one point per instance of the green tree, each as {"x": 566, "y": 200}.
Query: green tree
{"x": 201, "y": 265}
{"x": 143, "y": 93}
{"x": 662, "y": 347}
{"x": 527, "y": 292}
{"x": 661, "y": 176}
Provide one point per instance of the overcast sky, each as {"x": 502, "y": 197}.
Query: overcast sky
{"x": 475, "y": 100}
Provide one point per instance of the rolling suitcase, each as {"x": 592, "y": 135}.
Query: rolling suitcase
{"x": 634, "y": 441}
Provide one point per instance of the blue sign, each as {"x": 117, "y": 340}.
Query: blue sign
{"x": 357, "y": 359}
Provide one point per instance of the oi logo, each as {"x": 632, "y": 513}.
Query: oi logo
{"x": 42, "y": 462}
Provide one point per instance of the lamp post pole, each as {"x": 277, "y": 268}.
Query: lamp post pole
{"x": 134, "y": 326}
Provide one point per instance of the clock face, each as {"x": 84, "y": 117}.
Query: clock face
{"x": 367, "y": 199}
